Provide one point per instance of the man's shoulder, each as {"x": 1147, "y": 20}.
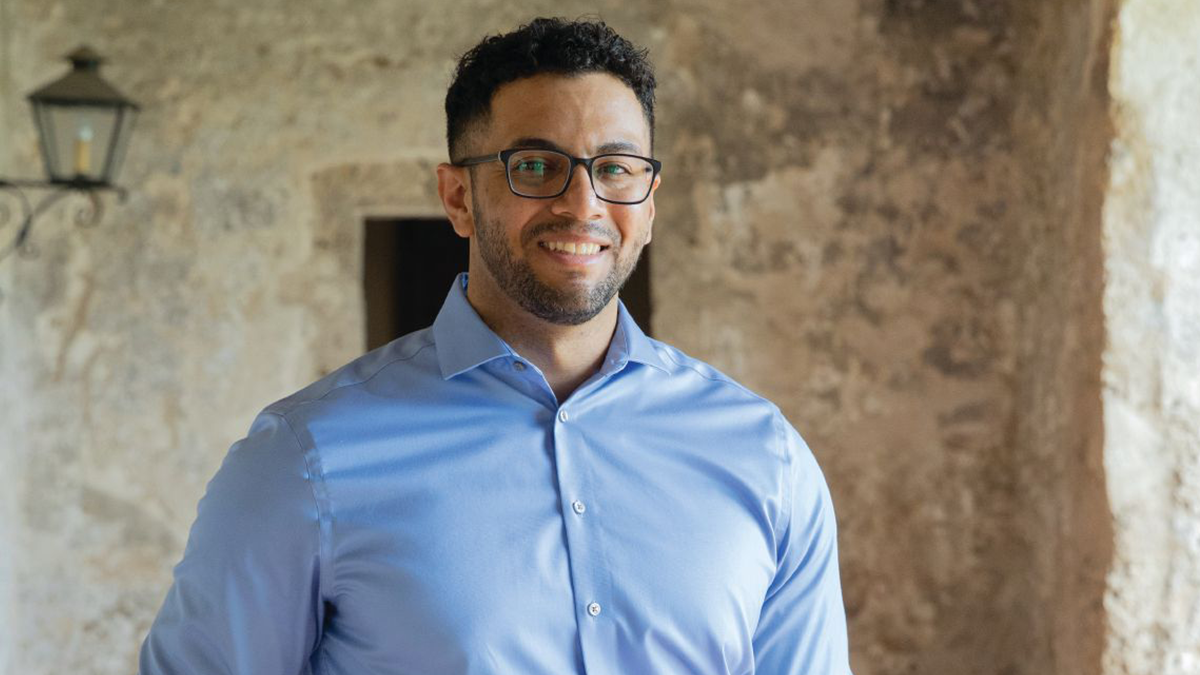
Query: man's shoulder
{"x": 411, "y": 353}
{"x": 700, "y": 397}
{"x": 678, "y": 363}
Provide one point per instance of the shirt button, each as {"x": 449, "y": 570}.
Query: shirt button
{"x": 594, "y": 609}
{"x": 578, "y": 506}
{"x": 518, "y": 366}
{"x": 563, "y": 416}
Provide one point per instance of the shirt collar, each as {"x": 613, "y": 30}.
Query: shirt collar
{"x": 629, "y": 343}
{"x": 464, "y": 341}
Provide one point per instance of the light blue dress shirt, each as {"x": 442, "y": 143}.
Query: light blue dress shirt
{"x": 432, "y": 509}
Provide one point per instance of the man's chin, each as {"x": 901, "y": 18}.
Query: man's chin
{"x": 565, "y": 307}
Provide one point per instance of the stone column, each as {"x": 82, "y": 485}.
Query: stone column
{"x": 1152, "y": 362}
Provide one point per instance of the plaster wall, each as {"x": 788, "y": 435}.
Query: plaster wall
{"x": 10, "y": 512}
{"x": 874, "y": 212}
{"x": 1152, "y": 362}
{"x": 1061, "y": 515}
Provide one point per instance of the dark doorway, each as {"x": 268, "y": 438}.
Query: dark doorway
{"x": 409, "y": 264}
{"x": 636, "y": 292}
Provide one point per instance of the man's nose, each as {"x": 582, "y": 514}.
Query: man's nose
{"x": 580, "y": 200}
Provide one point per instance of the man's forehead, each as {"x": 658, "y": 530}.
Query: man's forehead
{"x": 563, "y": 112}
{"x": 626, "y": 146}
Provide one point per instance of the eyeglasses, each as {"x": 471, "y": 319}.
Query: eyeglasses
{"x": 536, "y": 173}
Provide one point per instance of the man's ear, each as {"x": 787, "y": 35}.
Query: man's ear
{"x": 454, "y": 189}
{"x": 650, "y": 209}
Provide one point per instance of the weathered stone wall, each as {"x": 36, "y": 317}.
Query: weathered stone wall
{"x": 1152, "y": 362}
{"x": 882, "y": 214}
{"x": 1062, "y": 515}
{"x": 10, "y": 511}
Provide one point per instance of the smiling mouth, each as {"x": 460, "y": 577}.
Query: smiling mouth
{"x": 573, "y": 248}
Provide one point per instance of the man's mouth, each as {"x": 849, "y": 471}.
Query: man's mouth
{"x": 573, "y": 248}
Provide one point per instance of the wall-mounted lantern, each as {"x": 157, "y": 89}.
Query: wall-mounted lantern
{"x": 83, "y": 123}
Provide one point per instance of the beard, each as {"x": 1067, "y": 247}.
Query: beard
{"x": 569, "y": 305}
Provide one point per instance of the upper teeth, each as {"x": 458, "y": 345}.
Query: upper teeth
{"x": 571, "y": 247}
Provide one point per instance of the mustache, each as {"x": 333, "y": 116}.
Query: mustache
{"x": 576, "y": 227}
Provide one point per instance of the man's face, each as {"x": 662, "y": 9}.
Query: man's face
{"x": 518, "y": 241}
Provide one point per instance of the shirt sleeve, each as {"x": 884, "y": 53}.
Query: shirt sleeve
{"x": 245, "y": 598}
{"x": 802, "y": 626}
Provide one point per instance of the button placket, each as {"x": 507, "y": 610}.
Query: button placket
{"x": 590, "y": 578}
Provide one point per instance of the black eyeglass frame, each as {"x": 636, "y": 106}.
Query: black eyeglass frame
{"x": 504, "y": 155}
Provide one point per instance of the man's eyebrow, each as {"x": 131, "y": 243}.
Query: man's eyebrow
{"x": 620, "y": 146}
{"x": 545, "y": 144}
{"x": 535, "y": 142}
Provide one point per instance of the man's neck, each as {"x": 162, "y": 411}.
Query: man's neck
{"x": 566, "y": 355}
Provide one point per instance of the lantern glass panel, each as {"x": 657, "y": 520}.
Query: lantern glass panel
{"x": 78, "y": 141}
{"x": 124, "y": 124}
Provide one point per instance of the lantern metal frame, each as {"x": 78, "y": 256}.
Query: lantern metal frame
{"x": 81, "y": 87}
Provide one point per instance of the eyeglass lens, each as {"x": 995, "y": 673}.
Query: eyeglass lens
{"x": 543, "y": 173}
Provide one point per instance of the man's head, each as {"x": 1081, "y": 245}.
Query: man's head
{"x": 558, "y": 90}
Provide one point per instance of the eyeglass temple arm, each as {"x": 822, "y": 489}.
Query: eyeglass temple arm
{"x": 472, "y": 161}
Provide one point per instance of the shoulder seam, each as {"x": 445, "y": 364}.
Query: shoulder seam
{"x": 325, "y": 564}
{"x": 365, "y": 380}
{"x": 786, "y": 460}
{"x": 724, "y": 379}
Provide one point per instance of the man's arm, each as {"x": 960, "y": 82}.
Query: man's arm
{"x": 246, "y": 598}
{"x": 802, "y": 628}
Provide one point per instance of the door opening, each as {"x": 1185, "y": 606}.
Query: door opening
{"x": 409, "y": 264}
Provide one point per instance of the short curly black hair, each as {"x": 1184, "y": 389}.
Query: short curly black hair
{"x": 544, "y": 45}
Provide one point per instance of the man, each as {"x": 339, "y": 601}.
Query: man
{"x": 531, "y": 485}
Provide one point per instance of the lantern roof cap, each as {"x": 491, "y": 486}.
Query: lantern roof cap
{"x": 82, "y": 85}
{"x": 85, "y": 55}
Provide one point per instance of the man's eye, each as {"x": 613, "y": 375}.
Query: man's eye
{"x": 533, "y": 166}
{"x": 613, "y": 169}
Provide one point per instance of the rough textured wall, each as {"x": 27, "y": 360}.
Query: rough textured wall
{"x": 1061, "y": 124}
{"x": 848, "y": 222}
{"x": 10, "y": 510}
{"x": 1152, "y": 363}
